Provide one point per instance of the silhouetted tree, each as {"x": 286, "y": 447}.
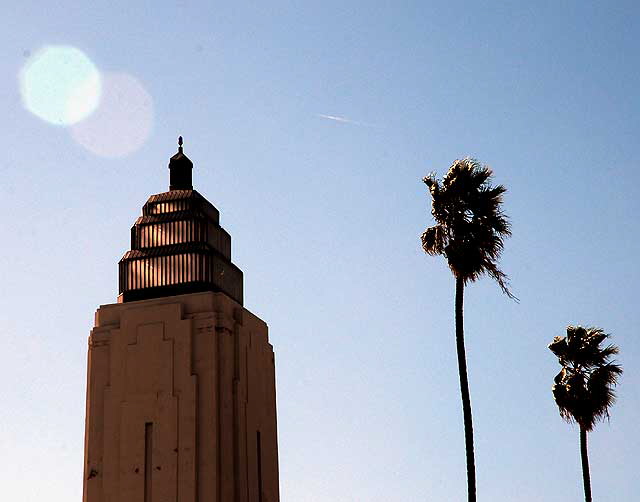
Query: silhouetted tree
{"x": 583, "y": 390}
{"x": 469, "y": 232}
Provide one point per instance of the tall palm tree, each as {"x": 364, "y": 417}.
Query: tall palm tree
{"x": 583, "y": 390}
{"x": 469, "y": 232}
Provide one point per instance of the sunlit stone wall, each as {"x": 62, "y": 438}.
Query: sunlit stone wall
{"x": 180, "y": 403}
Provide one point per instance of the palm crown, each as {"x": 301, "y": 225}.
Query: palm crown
{"x": 583, "y": 390}
{"x": 470, "y": 226}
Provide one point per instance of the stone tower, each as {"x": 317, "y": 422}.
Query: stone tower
{"x": 181, "y": 403}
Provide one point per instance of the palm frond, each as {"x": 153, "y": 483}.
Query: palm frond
{"x": 609, "y": 351}
{"x": 559, "y": 347}
{"x": 501, "y": 278}
{"x": 470, "y": 225}
{"x": 433, "y": 240}
{"x": 583, "y": 390}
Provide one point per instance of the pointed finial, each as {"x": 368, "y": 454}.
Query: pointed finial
{"x": 180, "y": 168}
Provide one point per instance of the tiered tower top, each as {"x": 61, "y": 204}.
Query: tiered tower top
{"x": 178, "y": 245}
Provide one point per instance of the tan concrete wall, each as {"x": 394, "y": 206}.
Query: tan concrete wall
{"x": 200, "y": 369}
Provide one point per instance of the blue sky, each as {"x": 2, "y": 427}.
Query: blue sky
{"x": 325, "y": 217}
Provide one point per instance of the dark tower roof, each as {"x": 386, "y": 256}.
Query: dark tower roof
{"x": 178, "y": 245}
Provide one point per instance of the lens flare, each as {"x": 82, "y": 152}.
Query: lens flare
{"x": 60, "y": 85}
{"x": 123, "y": 121}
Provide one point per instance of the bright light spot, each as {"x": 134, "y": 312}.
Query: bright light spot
{"x": 123, "y": 121}
{"x": 60, "y": 84}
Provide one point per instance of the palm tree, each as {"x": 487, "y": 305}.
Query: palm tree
{"x": 583, "y": 390}
{"x": 469, "y": 232}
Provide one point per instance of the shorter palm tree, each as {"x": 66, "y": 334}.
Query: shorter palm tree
{"x": 583, "y": 390}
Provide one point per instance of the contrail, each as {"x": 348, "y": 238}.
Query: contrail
{"x": 344, "y": 120}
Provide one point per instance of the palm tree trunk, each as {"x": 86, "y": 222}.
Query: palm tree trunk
{"x": 586, "y": 478}
{"x": 464, "y": 391}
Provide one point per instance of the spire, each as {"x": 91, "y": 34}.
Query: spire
{"x": 180, "y": 167}
{"x": 178, "y": 245}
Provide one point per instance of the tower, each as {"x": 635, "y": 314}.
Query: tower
{"x": 181, "y": 380}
